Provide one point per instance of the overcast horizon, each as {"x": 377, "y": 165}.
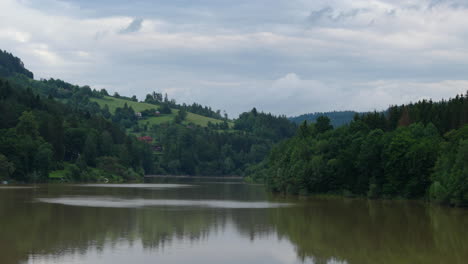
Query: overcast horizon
{"x": 284, "y": 57}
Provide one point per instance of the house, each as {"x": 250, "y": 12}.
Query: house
{"x": 157, "y": 113}
{"x": 138, "y": 114}
{"x": 157, "y": 148}
{"x": 146, "y": 139}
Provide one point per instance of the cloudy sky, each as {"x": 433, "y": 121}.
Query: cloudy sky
{"x": 282, "y": 56}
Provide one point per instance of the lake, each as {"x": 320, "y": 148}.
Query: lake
{"x": 207, "y": 222}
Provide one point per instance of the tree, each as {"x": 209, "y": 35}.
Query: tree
{"x": 369, "y": 164}
{"x": 43, "y": 161}
{"x": 105, "y": 144}
{"x": 6, "y": 168}
{"x": 450, "y": 177}
{"x": 323, "y": 124}
{"x": 405, "y": 119}
{"x": 254, "y": 111}
{"x": 165, "y": 109}
{"x": 111, "y": 164}
{"x": 90, "y": 151}
{"x": 55, "y": 135}
{"x": 27, "y": 125}
{"x": 105, "y": 112}
{"x": 181, "y": 116}
{"x": 104, "y": 92}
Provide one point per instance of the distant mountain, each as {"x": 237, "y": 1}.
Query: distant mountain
{"x": 337, "y": 118}
{"x": 11, "y": 65}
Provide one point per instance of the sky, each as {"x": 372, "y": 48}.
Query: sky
{"x": 281, "y": 56}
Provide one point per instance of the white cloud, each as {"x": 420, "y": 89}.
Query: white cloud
{"x": 47, "y": 57}
{"x": 383, "y": 93}
{"x": 15, "y": 35}
{"x": 300, "y": 56}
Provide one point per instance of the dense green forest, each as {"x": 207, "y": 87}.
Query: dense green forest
{"x": 195, "y": 150}
{"x": 51, "y": 129}
{"x": 39, "y": 135}
{"x": 11, "y": 65}
{"x": 411, "y": 151}
{"x": 337, "y": 118}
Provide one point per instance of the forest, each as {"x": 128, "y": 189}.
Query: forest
{"x": 11, "y": 65}
{"x": 39, "y": 135}
{"x": 419, "y": 150}
{"x": 337, "y": 118}
{"x": 196, "y": 150}
{"x": 54, "y": 130}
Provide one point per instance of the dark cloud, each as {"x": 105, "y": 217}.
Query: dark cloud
{"x": 349, "y": 14}
{"x": 317, "y": 15}
{"x": 134, "y": 26}
{"x": 329, "y": 15}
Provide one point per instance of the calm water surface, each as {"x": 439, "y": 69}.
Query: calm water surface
{"x": 220, "y": 223}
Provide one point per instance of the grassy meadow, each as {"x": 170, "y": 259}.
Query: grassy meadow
{"x": 114, "y": 103}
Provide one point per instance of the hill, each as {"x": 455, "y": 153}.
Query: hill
{"x": 337, "y": 118}
{"x": 418, "y": 150}
{"x": 114, "y": 103}
{"x": 42, "y": 138}
{"x": 11, "y": 65}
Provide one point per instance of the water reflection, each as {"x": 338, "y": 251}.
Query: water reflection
{"x": 359, "y": 231}
{"x": 138, "y": 185}
{"x": 136, "y": 203}
{"x": 310, "y": 231}
{"x": 15, "y": 187}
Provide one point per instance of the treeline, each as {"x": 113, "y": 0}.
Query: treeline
{"x": 445, "y": 115}
{"x": 203, "y": 111}
{"x": 166, "y": 103}
{"x": 39, "y": 135}
{"x": 195, "y": 150}
{"x": 265, "y": 125}
{"x": 11, "y": 65}
{"x": 77, "y": 98}
{"x": 337, "y": 118}
{"x": 202, "y": 151}
{"x": 418, "y": 150}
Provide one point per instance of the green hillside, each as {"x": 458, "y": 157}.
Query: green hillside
{"x": 114, "y": 103}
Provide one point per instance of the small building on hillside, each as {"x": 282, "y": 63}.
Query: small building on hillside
{"x": 138, "y": 115}
{"x": 157, "y": 113}
{"x": 157, "y": 148}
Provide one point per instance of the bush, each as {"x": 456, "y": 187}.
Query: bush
{"x": 373, "y": 191}
{"x": 438, "y": 193}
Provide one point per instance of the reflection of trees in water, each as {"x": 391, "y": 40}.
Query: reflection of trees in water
{"x": 374, "y": 232}
{"x": 40, "y": 228}
{"x": 156, "y": 228}
{"x": 253, "y": 223}
{"x": 354, "y": 231}
{"x": 48, "y": 229}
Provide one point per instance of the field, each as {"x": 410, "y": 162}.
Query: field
{"x": 113, "y": 103}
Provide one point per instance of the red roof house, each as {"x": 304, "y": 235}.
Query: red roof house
{"x": 146, "y": 139}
